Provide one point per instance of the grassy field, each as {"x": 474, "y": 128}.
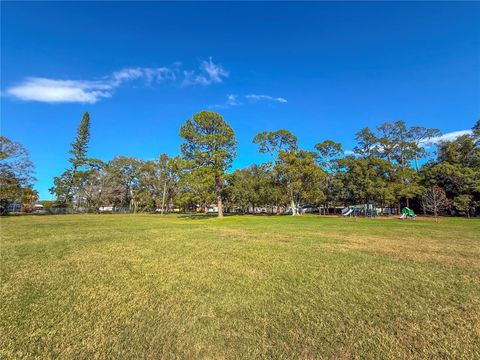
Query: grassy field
{"x": 147, "y": 286}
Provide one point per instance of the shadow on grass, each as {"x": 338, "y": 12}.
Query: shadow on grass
{"x": 201, "y": 216}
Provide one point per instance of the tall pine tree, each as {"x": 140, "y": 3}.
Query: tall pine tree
{"x": 80, "y": 145}
{"x": 66, "y": 184}
{"x": 209, "y": 144}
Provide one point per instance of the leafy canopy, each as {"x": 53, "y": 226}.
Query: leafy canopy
{"x": 208, "y": 141}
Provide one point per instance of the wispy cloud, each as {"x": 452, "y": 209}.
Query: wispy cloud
{"x": 348, "y": 152}
{"x": 150, "y": 75}
{"x": 232, "y": 100}
{"x": 445, "y": 137}
{"x": 210, "y": 73}
{"x": 90, "y": 91}
{"x": 267, "y": 98}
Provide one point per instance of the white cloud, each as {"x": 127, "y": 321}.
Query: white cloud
{"x": 232, "y": 100}
{"x": 445, "y": 137}
{"x": 126, "y": 75}
{"x": 348, "y": 152}
{"x": 215, "y": 72}
{"x": 209, "y": 73}
{"x": 90, "y": 91}
{"x": 55, "y": 91}
{"x": 266, "y": 97}
{"x": 150, "y": 75}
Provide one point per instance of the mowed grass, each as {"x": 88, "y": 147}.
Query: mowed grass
{"x": 243, "y": 287}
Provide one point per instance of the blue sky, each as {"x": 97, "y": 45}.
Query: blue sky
{"x": 321, "y": 70}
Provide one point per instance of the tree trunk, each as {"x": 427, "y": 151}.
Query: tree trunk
{"x": 292, "y": 205}
{"x": 220, "y": 205}
{"x": 218, "y": 191}
{"x": 163, "y": 197}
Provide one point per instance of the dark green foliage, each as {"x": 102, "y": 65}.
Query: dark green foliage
{"x": 274, "y": 141}
{"x": 16, "y": 173}
{"x": 209, "y": 144}
{"x": 252, "y": 187}
{"x": 208, "y": 141}
{"x": 302, "y": 180}
{"x": 385, "y": 169}
{"x": 397, "y": 146}
{"x": 328, "y": 151}
{"x": 80, "y": 145}
{"x": 457, "y": 171}
{"x": 366, "y": 141}
{"x": 68, "y": 184}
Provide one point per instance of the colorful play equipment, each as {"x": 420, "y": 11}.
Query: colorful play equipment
{"x": 407, "y": 213}
{"x": 347, "y": 212}
{"x": 367, "y": 210}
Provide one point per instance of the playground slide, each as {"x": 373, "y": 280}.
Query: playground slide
{"x": 348, "y": 212}
{"x": 407, "y": 214}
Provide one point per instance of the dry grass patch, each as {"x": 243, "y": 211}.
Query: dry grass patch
{"x": 422, "y": 249}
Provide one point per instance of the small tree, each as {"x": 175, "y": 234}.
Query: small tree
{"x": 435, "y": 200}
{"x": 15, "y": 173}
{"x": 328, "y": 152}
{"x": 463, "y": 203}
{"x": 300, "y": 177}
{"x": 209, "y": 143}
{"x": 169, "y": 171}
{"x": 123, "y": 174}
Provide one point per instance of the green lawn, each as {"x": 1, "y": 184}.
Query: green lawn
{"x": 147, "y": 286}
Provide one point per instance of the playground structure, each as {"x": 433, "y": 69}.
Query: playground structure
{"x": 347, "y": 212}
{"x": 366, "y": 210}
{"x": 370, "y": 210}
{"x": 407, "y": 213}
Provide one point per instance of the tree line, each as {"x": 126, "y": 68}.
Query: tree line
{"x": 389, "y": 166}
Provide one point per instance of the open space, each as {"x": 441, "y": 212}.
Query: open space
{"x": 151, "y": 286}
{"x": 239, "y": 180}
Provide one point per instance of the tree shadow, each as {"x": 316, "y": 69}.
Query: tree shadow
{"x": 196, "y": 216}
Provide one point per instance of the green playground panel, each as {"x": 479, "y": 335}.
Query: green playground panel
{"x": 408, "y": 211}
